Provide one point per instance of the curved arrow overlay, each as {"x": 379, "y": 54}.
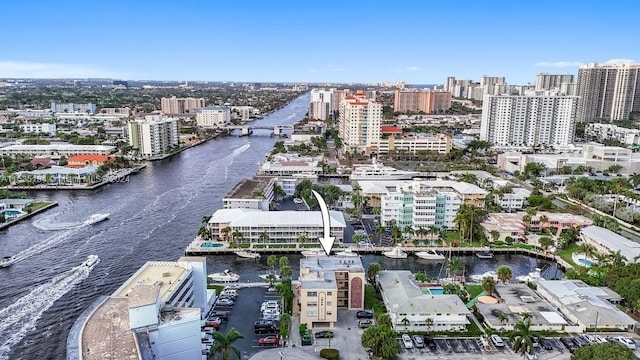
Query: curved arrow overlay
{"x": 326, "y": 240}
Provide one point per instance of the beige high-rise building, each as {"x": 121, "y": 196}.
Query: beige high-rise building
{"x": 546, "y": 81}
{"x": 608, "y": 91}
{"x": 320, "y": 107}
{"x": 425, "y": 101}
{"x": 154, "y": 135}
{"x": 174, "y": 105}
{"x": 360, "y": 122}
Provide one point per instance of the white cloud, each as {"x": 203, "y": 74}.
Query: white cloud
{"x": 559, "y": 64}
{"x": 619, "y": 61}
{"x": 26, "y": 69}
{"x": 413, "y": 68}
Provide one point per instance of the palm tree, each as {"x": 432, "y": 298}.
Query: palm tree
{"x": 635, "y": 179}
{"x": 504, "y": 273}
{"x": 272, "y": 261}
{"x": 405, "y": 322}
{"x": 522, "y": 338}
{"x": 278, "y": 192}
{"x": 225, "y": 232}
{"x": 237, "y": 235}
{"x": 372, "y": 271}
{"x": 526, "y": 316}
{"x": 495, "y": 235}
{"x": 428, "y": 322}
{"x": 526, "y": 218}
{"x": 264, "y": 237}
{"x": 303, "y": 237}
{"x": 545, "y": 242}
{"x": 544, "y": 219}
{"x": 223, "y": 344}
{"x": 454, "y": 266}
{"x": 205, "y": 219}
{"x": 286, "y": 272}
{"x": 503, "y": 318}
{"x": 408, "y": 230}
{"x": 488, "y": 285}
{"x": 383, "y": 319}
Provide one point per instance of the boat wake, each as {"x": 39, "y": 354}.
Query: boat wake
{"x": 47, "y": 225}
{"x": 42, "y": 246}
{"x": 19, "y": 318}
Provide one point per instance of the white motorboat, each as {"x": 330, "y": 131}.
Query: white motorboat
{"x": 377, "y": 171}
{"x": 96, "y": 218}
{"x": 248, "y": 254}
{"x": 91, "y": 261}
{"x": 396, "y": 253}
{"x": 531, "y": 277}
{"x": 430, "y": 255}
{"x": 7, "y": 261}
{"x": 225, "y": 276}
{"x": 484, "y": 255}
{"x": 311, "y": 253}
{"x": 480, "y": 277}
{"x": 347, "y": 252}
{"x": 265, "y": 277}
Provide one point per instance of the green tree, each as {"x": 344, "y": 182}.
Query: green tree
{"x": 383, "y": 319}
{"x": 545, "y": 242}
{"x": 223, "y": 344}
{"x": 405, "y": 322}
{"x": 504, "y": 273}
{"x": 283, "y": 261}
{"x": 303, "y": 237}
{"x": 264, "y": 237}
{"x": 522, "y": 338}
{"x": 454, "y": 266}
{"x": 488, "y": 285}
{"x": 272, "y": 260}
{"x": 286, "y": 271}
{"x": 604, "y": 351}
{"x": 382, "y": 342}
{"x": 372, "y": 271}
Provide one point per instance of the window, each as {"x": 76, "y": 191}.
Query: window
{"x": 312, "y": 293}
{"x": 312, "y": 304}
{"x": 329, "y": 303}
{"x": 329, "y": 293}
{"x": 312, "y": 313}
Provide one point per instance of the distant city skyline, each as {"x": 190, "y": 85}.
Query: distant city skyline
{"x": 417, "y": 43}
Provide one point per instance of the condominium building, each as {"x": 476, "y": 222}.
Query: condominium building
{"x": 321, "y": 104}
{"x": 546, "y": 81}
{"x": 360, "y": 121}
{"x": 213, "y": 116}
{"x": 174, "y": 105}
{"x": 608, "y": 91}
{"x": 39, "y": 128}
{"x": 327, "y": 284}
{"x": 425, "y": 101}
{"x": 528, "y": 121}
{"x": 154, "y": 135}
{"x": 156, "y": 314}
{"x": 244, "y": 113}
{"x": 55, "y": 151}
{"x": 72, "y": 107}
{"x": 255, "y": 193}
{"x": 601, "y": 132}
{"x": 416, "y": 144}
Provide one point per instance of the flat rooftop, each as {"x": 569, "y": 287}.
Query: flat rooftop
{"x": 318, "y": 280}
{"x": 106, "y": 334}
{"x": 613, "y": 241}
{"x": 332, "y": 263}
{"x": 245, "y": 188}
{"x": 166, "y": 274}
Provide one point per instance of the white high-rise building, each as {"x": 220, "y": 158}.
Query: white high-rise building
{"x": 154, "y": 135}
{"x": 546, "y": 81}
{"x": 320, "y": 104}
{"x": 608, "y": 91}
{"x": 528, "y": 121}
{"x": 73, "y": 107}
{"x": 213, "y": 116}
{"x": 360, "y": 122}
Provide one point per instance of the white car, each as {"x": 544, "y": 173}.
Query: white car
{"x": 406, "y": 341}
{"x": 268, "y": 304}
{"x": 224, "y": 302}
{"x": 297, "y": 201}
{"x": 269, "y": 312}
{"x": 497, "y": 340}
{"x": 601, "y": 339}
{"x": 626, "y": 342}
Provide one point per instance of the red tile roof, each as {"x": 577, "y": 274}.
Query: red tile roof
{"x": 391, "y": 130}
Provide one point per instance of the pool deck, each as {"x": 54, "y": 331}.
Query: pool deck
{"x": 33, "y": 213}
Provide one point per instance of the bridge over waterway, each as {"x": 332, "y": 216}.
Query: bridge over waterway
{"x": 247, "y": 130}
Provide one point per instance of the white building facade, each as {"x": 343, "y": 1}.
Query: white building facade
{"x": 320, "y": 104}
{"x": 360, "y": 122}
{"x": 39, "y": 128}
{"x": 213, "y": 116}
{"x": 610, "y": 131}
{"x": 154, "y": 135}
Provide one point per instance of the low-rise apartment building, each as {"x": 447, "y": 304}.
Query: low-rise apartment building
{"x": 38, "y": 128}
{"x": 607, "y": 242}
{"x": 254, "y": 193}
{"x": 415, "y": 144}
{"x": 211, "y": 117}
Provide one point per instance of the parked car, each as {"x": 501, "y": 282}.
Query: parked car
{"x": 224, "y": 302}
{"x": 297, "y": 201}
{"x": 430, "y": 343}
{"x": 568, "y": 343}
{"x": 271, "y": 312}
{"x": 591, "y": 339}
{"x": 365, "y": 323}
{"x": 497, "y": 340}
{"x": 626, "y": 342}
{"x": 323, "y": 334}
{"x": 417, "y": 339}
{"x": 580, "y": 342}
{"x": 545, "y": 344}
{"x": 269, "y": 303}
{"x": 364, "y": 315}
{"x": 268, "y": 340}
{"x": 406, "y": 341}
{"x": 601, "y": 339}
{"x": 223, "y": 315}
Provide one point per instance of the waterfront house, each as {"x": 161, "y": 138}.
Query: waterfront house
{"x": 410, "y": 306}
{"x": 254, "y": 193}
{"x": 78, "y": 161}
{"x": 606, "y": 242}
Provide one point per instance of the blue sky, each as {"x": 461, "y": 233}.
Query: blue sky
{"x": 419, "y": 42}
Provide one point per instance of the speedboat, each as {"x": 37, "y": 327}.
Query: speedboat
{"x": 429, "y": 255}
{"x": 485, "y": 255}
{"x": 396, "y": 253}
{"x": 531, "y": 277}
{"x": 248, "y": 254}
{"x": 7, "y": 261}
{"x": 225, "y": 276}
{"x": 91, "y": 261}
{"x": 265, "y": 277}
{"x": 96, "y": 218}
{"x": 311, "y": 253}
{"x": 347, "y": 252}
{"x": 480, "y": 277}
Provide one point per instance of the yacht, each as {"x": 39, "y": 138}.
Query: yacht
{"x": 248, "y": 254}
{"x": 377, "y": 171}
{"x": 313, "y": 252}
{"x": 479, "y": 277}
{"x": 96, "y": 218}
{"x": 485, "y": 254}
{"x": 7, "y": 261}
{"x": 225, "y": 276}
{"x": 347, "y": 252}
{"x": 91, "y": 261}
{"x": 396, "y": 253}
{"x": 531, "y": 277}
{"x": 429, "y": 255}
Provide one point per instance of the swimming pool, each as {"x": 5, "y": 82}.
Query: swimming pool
{"x": 211, "y": 245}
{"x": 585, "y": 262}
{"x": 12, "y": 213}
{"x": 433, "y": 290}
{"x": 582, "y": 260}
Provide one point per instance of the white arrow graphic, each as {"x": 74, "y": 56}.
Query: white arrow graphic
{"x": 326, "y": 240}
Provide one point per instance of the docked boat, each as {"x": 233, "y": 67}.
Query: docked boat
{"x": 248, "y": 254}
{"x": 485, "y": 255}
{"x": 91, "y": 261}
{"x": 395, "y": 253}
{"x": 347, "y": 252}
{"x": 96, "y": 218}
{"x": 7, "y": 261}
{"x": 430, "y": 255}
{"x": 480, "y": 277}
{"x": 265, "y": 277}
{"x": 225, "y": 276}
{"x": 531, "y": 277}
{"x": 311, "y": 253}
{"x": 378, "y": 171}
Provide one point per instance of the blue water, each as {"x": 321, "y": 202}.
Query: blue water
{"x": 211, "y": 245}
{"x": 12, "y": 212}
{"x": 585, "y": 262}
{"x": 436, "y": 291}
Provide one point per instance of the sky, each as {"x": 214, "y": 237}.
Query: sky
{"x": 418, "y": 42}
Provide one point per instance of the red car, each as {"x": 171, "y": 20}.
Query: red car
{"x": 269, "y": 340}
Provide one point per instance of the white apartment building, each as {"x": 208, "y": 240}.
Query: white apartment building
{"x": 154, "y": 135}
{"x": 416, "y": 204}
{"x": 244, "y": 113}
{"x": 321, "y": 104}
{"x": 255, "y": 193}
{"x": 546, "y": 81}
{"x": 39, "y": 128}
{"x": 213, "y": 116}
{"x": 610, "y": 131}
{"x": 174, "y": 105}
{"x": 360, "y": 122}
{"x": 513, "y": 201}
{"x": 55, "y": 151}
{"x": 528, "y": 121}
{"x": 608, "y": 91}
{"x": 290, "y": 165}
{"x": 412, "y": 144}
{"x": 73, "y": 107}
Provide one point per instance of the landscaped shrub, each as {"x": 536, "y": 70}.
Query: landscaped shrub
{"x": 330, "y": 354}
{"x": 302, "y": 329}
